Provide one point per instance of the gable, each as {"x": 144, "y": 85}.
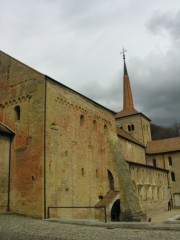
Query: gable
{"x": 16, "y": 76}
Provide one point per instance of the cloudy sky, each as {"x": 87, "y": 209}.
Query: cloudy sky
{"x": 78, "y": 43}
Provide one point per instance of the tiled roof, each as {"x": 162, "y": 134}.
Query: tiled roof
{"x": 163, "y": 145}
{"x": 4, "y": 129}
{"x": 146, "y": 166}
{"x": 126, "y": 135}
{"x": 107, "y": 199}
{"x": 125, "y": 112}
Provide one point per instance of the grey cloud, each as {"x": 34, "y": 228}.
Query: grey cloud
{"x": 77, "y": 42}
{"x": 167, "y": 21}
{"x": 157, "y": 88}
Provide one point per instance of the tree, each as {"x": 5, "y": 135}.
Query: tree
{"x": 161, "y": 132}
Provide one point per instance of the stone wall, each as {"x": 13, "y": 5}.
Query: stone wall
{"x": 132, "y": 152}
{"x": 81, "y": 147}
{"x": 171, "y": 162}
{"x": 76, "y": 166}
{"x": 4, "y": 171}
{"x": 151, "y": 186}
{"x": 22, "y": 109}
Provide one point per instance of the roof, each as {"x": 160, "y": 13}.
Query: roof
{"x": 129, "y": 137}
{"x": 146, "y": 166}
{"x": 163, "y": 145}
{"x": 126, "y": 112}
{"x": 5, "y": 130}
{"x": 107, "y": 199}
{"x": 128, "y": 104}
{"x": 47, "y": 78}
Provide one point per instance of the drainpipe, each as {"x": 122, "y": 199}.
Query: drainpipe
{"x": 9, "y": 175}
{"x": 45, "y": 93}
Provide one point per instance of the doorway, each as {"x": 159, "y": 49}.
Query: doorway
{"x": 177, "y": 199}
{"x": 115, "y": 211}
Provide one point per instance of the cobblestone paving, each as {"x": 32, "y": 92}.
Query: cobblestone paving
{"x": 14, "y": 227}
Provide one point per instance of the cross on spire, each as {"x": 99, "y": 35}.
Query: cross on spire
{"x": 123, "y": 53}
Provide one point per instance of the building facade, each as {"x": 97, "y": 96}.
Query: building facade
{"x": 71, "y": 157}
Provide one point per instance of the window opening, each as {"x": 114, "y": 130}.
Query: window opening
{"x": 95, "y": 124}
{"x": 154, "y": 162}
{"x": 17, "y": 112}
{"x": 173, "y": 177}
{"x": 170, "y": 161}
{"x": 81, "y": 120}
{"x": 82, "y": 171}
{"x": 111, "y": 180}
{"x": 97, "y": 173}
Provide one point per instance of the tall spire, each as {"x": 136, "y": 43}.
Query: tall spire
{"x": 128, "y": 105}
{"x": 127, "y": 94}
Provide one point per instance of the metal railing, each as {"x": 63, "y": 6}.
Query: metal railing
{"x": 105, "y": 213}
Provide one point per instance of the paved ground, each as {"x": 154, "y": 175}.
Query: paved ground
{"x": 159, "y": 217}
{"x": 14, "y": 227}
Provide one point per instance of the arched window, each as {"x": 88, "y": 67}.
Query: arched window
{"x": 132, "y": 127}
{"x": 105, "y": 129}
{"x": 154, "y": 162}
{"x": 170, "y": 161}
{"x": 129, "y": 128}
{"x": 82, "y": 120}
{"x": 111, "y": 180}
{"x": 17, "y": 112}
{"x": 82, "y": 172}
{"x": 94, "y": 125}
{"x": 97, "y": 173}
{"x": 173, "y": 179}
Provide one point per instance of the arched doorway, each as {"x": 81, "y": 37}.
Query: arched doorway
{"x": 115, "y": 211}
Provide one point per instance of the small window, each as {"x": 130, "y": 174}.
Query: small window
{"x": 170, "y": 161}
{"x": 82, "y": 172}
{"x": 94, "y": 124}
{"x": 105, "y": 129}
{"x": 154, "y": 162}
{"x": 81, "y": 120}
{"x": 97, "y": 173}
{"x": 129, "y": 128}
{"x": 17, "y": 112}
{"x": 132, "y": 127}
{"x": 121, "y": 127}
{"x": 173, "y": 177}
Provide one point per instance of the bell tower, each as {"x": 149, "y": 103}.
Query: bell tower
{"x": 129, "y": 119}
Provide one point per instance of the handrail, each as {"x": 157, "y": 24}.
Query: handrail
{"x": 105, "y": 214}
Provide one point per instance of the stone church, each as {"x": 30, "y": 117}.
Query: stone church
{"x": 65, "y": 156}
